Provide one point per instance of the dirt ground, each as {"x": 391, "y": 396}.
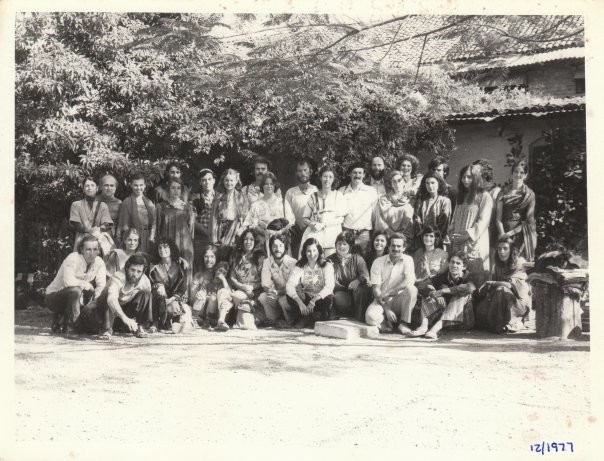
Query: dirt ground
{"x": 467, "y": 392}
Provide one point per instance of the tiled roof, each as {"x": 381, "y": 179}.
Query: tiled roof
{"x": 536, "y": 111}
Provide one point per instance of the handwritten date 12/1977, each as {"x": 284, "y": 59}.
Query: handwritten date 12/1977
{"x": 552, "y": 447}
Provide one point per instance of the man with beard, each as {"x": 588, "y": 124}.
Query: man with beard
{"x": 161, "y": 191}
{"x": 296, "y": 199}
{"x": 123, "y": 306}
{"x": 376, "y": 175}
{"x": 108, "y": 185}
{"x": 361, "y": 200}
{"x": 80, "y": 277}
{"x": 275, "y": 272}
{"x": 394, "y": 292}
{"x": 252, "y": 191}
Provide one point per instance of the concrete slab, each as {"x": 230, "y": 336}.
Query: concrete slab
{"x": 345, "y": 329}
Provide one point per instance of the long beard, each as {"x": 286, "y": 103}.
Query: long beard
{"x": 133, "y": 280}
{"x": 377, "y": 176}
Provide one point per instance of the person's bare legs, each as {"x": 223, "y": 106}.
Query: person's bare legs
{"x": 433, "y": 332}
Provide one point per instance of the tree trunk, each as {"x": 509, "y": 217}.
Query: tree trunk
{"x": 557, "y": 313}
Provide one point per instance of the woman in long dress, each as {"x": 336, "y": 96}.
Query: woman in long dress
{"x": 138, "y": 212}
{"x": 469, "y": 227}
{"x": 229, "y": 210}
{"x": 516, "y": 213}
{"x": 175, "y": 219}
{"x": 504, "y": 302}
{"x": 91, "y": 216}
{"x": 432, "y": 207}
{"x": 325, "y": 212}
{"x": 394, "y": 213}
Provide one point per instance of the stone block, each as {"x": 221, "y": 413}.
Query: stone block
{"x": 345, "y": 329}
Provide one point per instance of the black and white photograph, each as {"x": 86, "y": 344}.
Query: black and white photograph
{"x": 249, "y": 229}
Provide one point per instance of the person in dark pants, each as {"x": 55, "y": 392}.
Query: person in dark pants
{"x": 81, "y": 277}
{"x": 123, "y": 306}
{"x": 310, "y": 286}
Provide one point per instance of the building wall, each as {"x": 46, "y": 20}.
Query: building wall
{"x": 553, "y": 78}
{"x": 479, "y": 139}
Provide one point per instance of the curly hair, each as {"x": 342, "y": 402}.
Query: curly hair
{"x": 167, "y": 241}
{"x": 276, "y": 184}
{"x": 126, "y": 234}
{"x": 257, "y": 254}
{"x": 487, "y": 169}
{"x": 370, "y": 253}
{"x": 347, "y": 237}
{"x": 136, "y": 259}
{"x": 303, "y": 261}
{"x": 328, "y": 168}
{"x": 412, "y": 159}
{"x": 422, "y": 191}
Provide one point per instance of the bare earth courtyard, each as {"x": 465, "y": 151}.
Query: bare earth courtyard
{"x": 468, "y": 391}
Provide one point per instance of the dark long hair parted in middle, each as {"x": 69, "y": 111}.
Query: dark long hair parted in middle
{"x": 469, "y": 194}
{"x": 512, "y": 262}
{"x": 422, "y": 193}
{"x": 257, "y": 253}
{"x": 303, "y": 261}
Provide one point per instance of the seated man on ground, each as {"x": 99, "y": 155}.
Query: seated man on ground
{"x": 394, "y": 293}
{"x": 123, "y": 306}
{"x": 81, "y": 277}
{"x": 446, "y": 299}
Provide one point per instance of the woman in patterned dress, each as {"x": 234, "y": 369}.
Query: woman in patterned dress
{"x": 266, "y": 209}
{"x": 393, "y": 212}
{"x": 228, "y": 210}
{"x": 469, "y": 227}
{"x": 429, "y": 260}
{"x": 175, "y": 220}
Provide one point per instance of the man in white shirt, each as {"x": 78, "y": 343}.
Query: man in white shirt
{"x": 361, "y": 200}
{"x": 276, "y": 269}
{"x": 376, "y": 175}
{"x": 81, "y": 276}
{"x": 252, "y": 191}
{"x": 296, "y": 199}
{"x": 124, "y": 305}
{"x": 394, "y": 292}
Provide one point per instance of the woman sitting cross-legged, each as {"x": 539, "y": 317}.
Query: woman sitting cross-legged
{"x": 170, "y": 289}
{"x": 504, "y": 302}
{"x": 310, "y": 286}
{"x": 352, "y": 293}
{"x": 446, "y": 299}
{"x": 205, "y": 286}
{"x": 244, "y": 279}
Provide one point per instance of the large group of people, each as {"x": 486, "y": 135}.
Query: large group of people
{"x": 397, "y": 249}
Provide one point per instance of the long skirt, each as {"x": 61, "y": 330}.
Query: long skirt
{"x": 459, "y": 312}
{"x": 499, "y": 310}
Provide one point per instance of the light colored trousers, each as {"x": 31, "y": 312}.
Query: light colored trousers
{"x": 402, "y": 305}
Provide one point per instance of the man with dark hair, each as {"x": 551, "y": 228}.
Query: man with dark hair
{"x": 275, "y": 272}
{"x": 361, "y": 200}
{"x": 124, "y": 305}
{"x": 376, "y": 175}
{"x": 394, "y": 292}
{"x": 203, "y": 214}
{"x": 439, "y": 166}
{"x": 446, "y": 297}
{"x": 108, "y": 184}
{"x": 161, "y": 192}
{"x": 252, "y": 191}
{"x": 81, "y": 276}
{"x": 296, "y": 199}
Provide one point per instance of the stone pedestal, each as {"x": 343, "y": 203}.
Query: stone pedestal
{"x": 345, "y": 329}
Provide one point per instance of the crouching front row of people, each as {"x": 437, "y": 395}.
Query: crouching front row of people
{"x": 415, "y": 295}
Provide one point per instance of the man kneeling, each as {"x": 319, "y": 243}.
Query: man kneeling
{"x": 123, "y": 306}
{"x": 394, "y": 293}
{"x": 447, "y": 299}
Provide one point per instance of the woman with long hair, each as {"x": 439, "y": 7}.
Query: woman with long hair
{"x": 469, "y": 227}
{"x": 228, "y": 210}
{"x": 394, "y": 213}
{"x": 504, "y": 302}
{"x": 378, "y": 247}
{"x": 310, "y": 286}
{"x": 91, "y": 216}
{"x": 515, "y": 210}
{"x": 432, "y": 207}
{"x": 205, "y": 286}
{"x": 170, "y": 288}
{"x": 325, "y": 212}
{"x": 352, "y": 293}
{"x": 116, "y": 261}
{"x": 429, "y": 260}
{"x": 244, "y": 279}
{"x": 408, "y": 165}
{"x": 175, "y": 219}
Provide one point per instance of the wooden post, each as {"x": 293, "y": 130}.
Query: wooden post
{"x": 558, "y": 312}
